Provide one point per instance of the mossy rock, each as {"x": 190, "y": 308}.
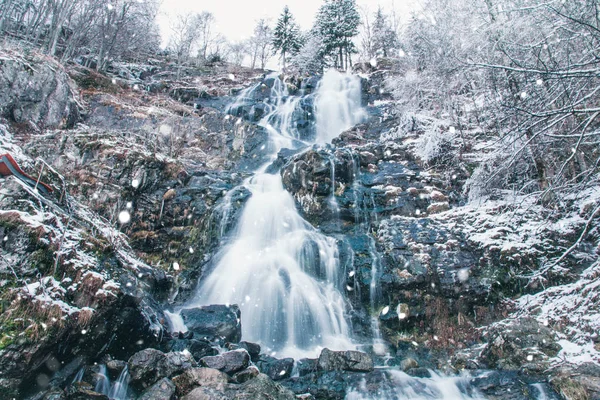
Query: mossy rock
{"x": 569, "y": 389}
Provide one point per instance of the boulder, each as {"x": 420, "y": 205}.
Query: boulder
{"x": 37, "y": 91}
{"x": 161, "y": 390}
{"x": 83, "y": 391}
{"x": 214, "y": 322}
{"x": 205, "y": 393}
{"x": 522, "y": 343}
{"x": 345, "y": 361}
{"x": 276, "y": 369}
{"x": 195, "y": 377}
{"x": 148, "y": 366}
{"x": 199, "y": 348}
{"x": 247, "y": 374}
{"x": 229, "y": 362}
{"x": 252, "y": 348}
{"x": 115, "y": 367}
{"x": 306, "y": 366}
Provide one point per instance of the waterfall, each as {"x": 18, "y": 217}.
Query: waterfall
{"x": 282, "y": 272}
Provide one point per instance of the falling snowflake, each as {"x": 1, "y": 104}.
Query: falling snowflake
{"x": 124, "y": 217}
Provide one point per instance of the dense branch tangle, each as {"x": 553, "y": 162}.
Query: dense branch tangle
{"x": 97, "y": 30}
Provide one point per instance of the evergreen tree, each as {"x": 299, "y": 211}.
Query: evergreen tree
{"x": 286, "y": 36}
{"x": 338, "y": 22}
{"x": 311, "y": 57}
{"x": 385, "y": 39}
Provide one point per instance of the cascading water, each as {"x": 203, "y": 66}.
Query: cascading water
{"x": 117, "y": 390}
{"x": 402, "y": 386}
{"x": 283, "y": 273}
{"x": 337, "y": 105}
{"x": 103, "y": 382}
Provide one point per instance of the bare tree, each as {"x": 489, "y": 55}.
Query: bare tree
{"x": 260, "y": 44}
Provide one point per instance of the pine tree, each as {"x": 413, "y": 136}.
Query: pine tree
{"x": 311, "y": 57}
{"x": 385, "y": 39}
{"x": 286, "y": 36}
{"x": 338, "y": 22}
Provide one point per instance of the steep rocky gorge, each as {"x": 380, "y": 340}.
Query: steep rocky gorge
{"x": 147, "y": 179}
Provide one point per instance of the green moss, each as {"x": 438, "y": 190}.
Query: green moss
{"x": 569, "y": 388}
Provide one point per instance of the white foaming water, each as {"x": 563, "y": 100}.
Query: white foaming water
{"x": 283, "y": 273}
{"x": 406, "y": 387}
{"x": 337, "y": 105}
{"x": 176, "y": 323}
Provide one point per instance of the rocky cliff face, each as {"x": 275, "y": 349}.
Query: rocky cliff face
{"x": 146, "y": 190}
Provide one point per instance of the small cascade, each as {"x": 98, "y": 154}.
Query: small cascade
{"x": 402, "y": 386}
{"x": 120, "y": 388}
{"x": 337, "y": 105}
{"x": 379, "y": 346}
{"x": 103, "y": 382}
{"x": 284, "y": 274}
{"x": 79, "y": 376}
{"x": 175, "y": 321}
{"x": 117, "y": 390}
{"x": 333, "y": 203}
{"x": 242, "y": 99}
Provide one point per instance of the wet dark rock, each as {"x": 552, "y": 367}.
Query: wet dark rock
{"x": 276, "y": 369}
{"x": 195, "y": 377}
{"x": 306, "y": 366}
{"x": 83, "y": 391}
{"x": 52, "y": 394}
{"x": 252, "y": 348}
{"x": 197, "y": 347}
{"x": 523, "y": 343}
{"x": 345, "y": 361}
{"x": 215, "y": 322}
{"x": 148, "y": 366}
{"x": 114, "y": 368}
{"x": 205, "y": 393}
{"x": 245, "y": 375}
{"x": 229, "y": 362}
{"x": 161, "y": 390}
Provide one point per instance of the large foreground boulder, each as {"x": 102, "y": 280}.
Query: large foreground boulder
{"x": 214, "y": 322}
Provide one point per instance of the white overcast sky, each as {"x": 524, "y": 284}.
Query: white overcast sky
{"x": 236, "y": 18}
